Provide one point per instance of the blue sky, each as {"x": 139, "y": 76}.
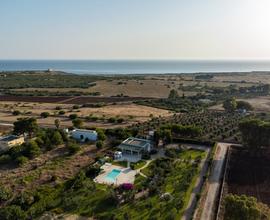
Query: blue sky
{"x": 134, "y": 29}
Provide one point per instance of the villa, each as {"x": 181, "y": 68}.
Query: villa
{"x": 9, "y": 141}
{"x": 135, "y": 146}
{"x": 84, "y": 135}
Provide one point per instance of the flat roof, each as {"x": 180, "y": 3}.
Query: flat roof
{"x": 136, "y": 143}
{"x": 9, "y": 138}
{"x": 84, "y": 130}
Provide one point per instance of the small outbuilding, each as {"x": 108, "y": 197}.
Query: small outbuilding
{"x": 84, "y": 135}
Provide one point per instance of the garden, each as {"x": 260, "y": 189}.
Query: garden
{"x": 162, "y": 194}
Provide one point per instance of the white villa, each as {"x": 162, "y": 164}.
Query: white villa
{"x": 135, "y": 146}
{"x": 84, "y": 135}
{"x": 9, "y": 141}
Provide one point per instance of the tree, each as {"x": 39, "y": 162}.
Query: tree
{"x": 45, "y": 114}
{"x": 73, "y": 116}
{"x": 25, "y": 125}
{"x": 32, "y": 149}
{"x": 101, "y": 134}
{"x": 57, "y": 138}
{"x": 77, "y": 123}
{"x": 244, "y": 105}
{"x": 173, "y": 94}
{"x": 230, "y": 105}
{"x": 12, "y": 212}
{"x": 241, "y": 208}
{"x": 168, "y": 136}
{"x": 72, "y": 147}
{"x": 255, "y": 134}
{"x": 99, "y": 144}
{"x": 57, "y": 123}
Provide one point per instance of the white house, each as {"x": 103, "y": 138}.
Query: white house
{"x": 84, "y": 135}
{"x": 9, "y": 141}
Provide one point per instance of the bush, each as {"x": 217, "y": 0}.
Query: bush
{"x": 120, "y": 120}
{"x": 146, "y": 156}
{"x": 76, "y": 107}
{"x": 16, "y": 112}
{"x": 61, "y": 112}
{"x": 45, "y": 114}
{"x": 12, "y": 212}
{"x": 112, "y": 120}
{"x": 73, "y": 116}
{"x": 73, "y": 147}
{"x": 5, "y": 193}
{"x": 21, "y": 160}
{"x": 57, "y": 138}
{"x": 5, "y": 159}
{"x": 77, "y": 123}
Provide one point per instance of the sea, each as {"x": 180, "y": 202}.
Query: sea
{"x": 136, "y": 66}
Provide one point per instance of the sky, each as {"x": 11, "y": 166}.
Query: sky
{"x": 134, "y": 29}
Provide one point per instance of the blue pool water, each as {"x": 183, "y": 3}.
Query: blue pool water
{"x": 111, "y": 176}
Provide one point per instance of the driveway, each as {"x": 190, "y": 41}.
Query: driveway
{"x": 199, "y": 183}
{"x": 214, "y": 181}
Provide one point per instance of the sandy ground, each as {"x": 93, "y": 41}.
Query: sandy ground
{"x": 259, "y": 104}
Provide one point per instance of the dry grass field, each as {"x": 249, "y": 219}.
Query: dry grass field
{"x": 131, "y": 113}
{"x": 154, "y": 88}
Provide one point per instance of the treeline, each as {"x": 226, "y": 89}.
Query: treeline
{"x": 255, "y": 134}
{"x": 46, "y": 80}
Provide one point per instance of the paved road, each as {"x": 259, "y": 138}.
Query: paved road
{"x": 214, "y": 182}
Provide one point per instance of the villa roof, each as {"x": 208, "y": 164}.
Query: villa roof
{"x": 135, "y": 143}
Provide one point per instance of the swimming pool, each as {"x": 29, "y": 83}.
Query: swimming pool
{"x": 111, "y": 176}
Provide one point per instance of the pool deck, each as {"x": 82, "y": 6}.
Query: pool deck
{"x": 127, "y": 175}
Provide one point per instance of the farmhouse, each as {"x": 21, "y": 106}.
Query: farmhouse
{"x": 135, "y": 146}
{"x": 9, "y": 141}
{"x": 84, "y": 135}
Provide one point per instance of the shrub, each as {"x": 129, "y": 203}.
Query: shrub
{"x": 45, "y": 114}
{"x": 73, "y": 116}
{"x": 12, "y": 212}
{"x": 73, "y": 147}
{"x": 76, "y": 107}
{"x": 21, "y": 160}
{"x": 5, "y": 159}
{"x": 120, "y": 120}
{"x": 57, "y": 138}
{"x": 112, "y": 120}
{"x": 5, "y": 193}
{"x": 62, "y": 112}
{"x": 16, "y": 112}
{"x": 77, "y": 123}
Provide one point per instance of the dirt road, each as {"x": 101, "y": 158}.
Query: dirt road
{"x": 198, "y": 185}
{"x": 214, "y": 181}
